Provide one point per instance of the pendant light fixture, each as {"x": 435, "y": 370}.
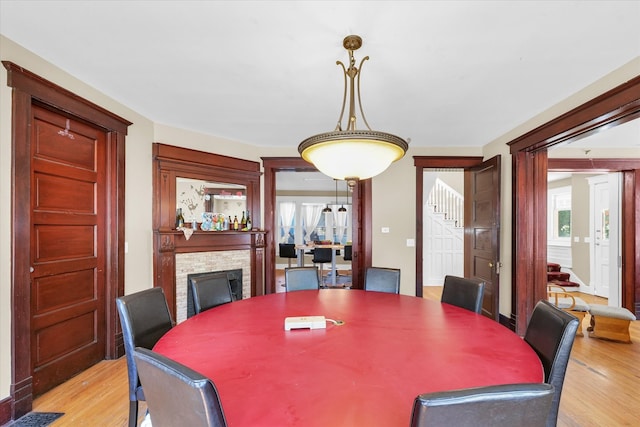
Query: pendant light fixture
{"x": 326, "y": 209}
{"x": 342, "y": 208}
{"x": 352, "y": 154}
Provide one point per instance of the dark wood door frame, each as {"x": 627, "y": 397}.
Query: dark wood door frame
{"x": 361, "y": 208}
{"x": 30, "y": 89}
{"x": 431, "y": 162}
{"x": 530, "y": 166}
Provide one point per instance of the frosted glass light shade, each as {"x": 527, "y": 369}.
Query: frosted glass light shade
{"x": 349, "y": 155}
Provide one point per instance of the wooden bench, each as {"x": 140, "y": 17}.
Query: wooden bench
{"x": 610, "y": 323}
{"x": 562, "y": 299}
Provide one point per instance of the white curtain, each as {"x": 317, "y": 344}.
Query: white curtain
{"x": 340, "y": 219}
{"x": 311, "y": 215}
{"x": 287, "y": 214}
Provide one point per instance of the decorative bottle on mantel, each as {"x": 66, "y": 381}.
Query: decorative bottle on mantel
{"x": 248, "y": 225}
{"x": 236, "y": 225}
{"x": 179, "y": 218}
{"x": 243, "y": 222}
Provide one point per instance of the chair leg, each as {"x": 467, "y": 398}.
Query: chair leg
{"x": 133, "y": 413}
{"x": 321, "y": 276}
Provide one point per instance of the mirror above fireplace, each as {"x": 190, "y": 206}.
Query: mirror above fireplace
{"x": 195, "y": 197}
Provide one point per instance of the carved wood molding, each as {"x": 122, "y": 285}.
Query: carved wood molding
{"x": 171, "y": 162}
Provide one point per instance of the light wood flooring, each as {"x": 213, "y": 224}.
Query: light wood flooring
{"x": 600, "y": 389}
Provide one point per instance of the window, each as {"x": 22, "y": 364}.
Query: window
{"x": 564, "y": 223}
{"x": 559, "y": 215}
{"x": 301, "y": 221}
{"x": 605, "y": 224}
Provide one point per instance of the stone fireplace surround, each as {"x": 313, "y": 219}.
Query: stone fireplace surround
{"x": 203, "y": 262}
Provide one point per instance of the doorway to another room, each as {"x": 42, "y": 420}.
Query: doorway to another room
{"x": 583, "y": 233}
{"x": 443, "y": 225}
{"x": 312, "y": 210}
{"x": 480, "y": 218}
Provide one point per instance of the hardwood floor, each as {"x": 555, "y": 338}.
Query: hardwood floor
{"x": 600, "y": 389}
{"x": 97, "y": 397}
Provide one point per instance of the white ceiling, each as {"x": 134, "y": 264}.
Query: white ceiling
{"x": 442, "y": 73}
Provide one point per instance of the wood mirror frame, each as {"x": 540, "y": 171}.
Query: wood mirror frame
{"x": 171, "y": 162}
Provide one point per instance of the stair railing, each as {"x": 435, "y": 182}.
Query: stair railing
{"x": 447, "y": 201}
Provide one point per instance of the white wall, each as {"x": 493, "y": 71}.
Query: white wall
{"x": 393, "y": 191}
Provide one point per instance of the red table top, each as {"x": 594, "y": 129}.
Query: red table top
{"x": 366, "y": 372}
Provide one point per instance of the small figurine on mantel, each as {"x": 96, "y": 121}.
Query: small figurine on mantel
{"x": 207, "y": 221}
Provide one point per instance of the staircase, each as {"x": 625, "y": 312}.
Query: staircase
{"x": 448, "y": 202}
{"x": 444, "y": 234}
{"x": 557, "y": 277}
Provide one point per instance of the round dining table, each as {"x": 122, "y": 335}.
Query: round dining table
{"x": 376, "y": 354}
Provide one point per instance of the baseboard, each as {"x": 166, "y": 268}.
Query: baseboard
{"x": 5, "y": 410}
{"x": 507, "y": 322}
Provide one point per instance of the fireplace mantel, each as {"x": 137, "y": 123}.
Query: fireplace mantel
{"x": 168, "y": 243}
{"x": 172, "y": 162}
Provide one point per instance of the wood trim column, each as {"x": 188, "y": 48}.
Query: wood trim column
{"x": 529, "y": 249}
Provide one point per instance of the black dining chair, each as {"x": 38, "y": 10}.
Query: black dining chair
{"x": 507, "y": 405}
{"x": 463, "y": 292}
{"x": 382, "y": 280}
{"x": 288, "y": 250}
{"x": 551, "y": 332}
{"x": 301, "y": 278}
{"x": 348, "y": 253}
{"x": 210, "y": 291}
{"x": 177, "y": 395}
{"x": 144, "y": 318}
{"x": 321, "y": 256}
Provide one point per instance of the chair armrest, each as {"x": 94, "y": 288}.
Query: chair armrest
{"x": 556, "y": 292}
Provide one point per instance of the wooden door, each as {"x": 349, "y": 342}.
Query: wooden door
{"x": 482, "y": 230}
{"x": 67, "y": 248}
